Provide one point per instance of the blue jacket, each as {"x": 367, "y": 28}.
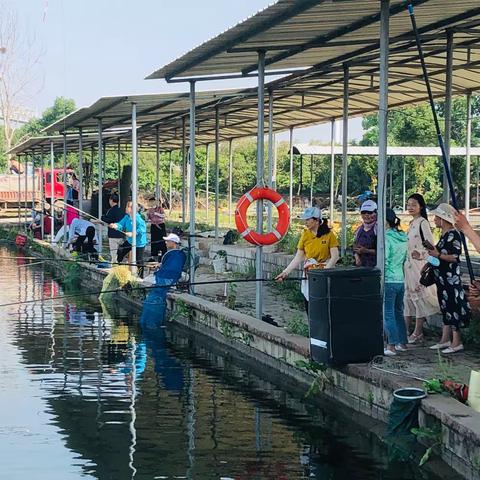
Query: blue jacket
{"x": 172, "y": 265}
{"x": 125, "y": 225}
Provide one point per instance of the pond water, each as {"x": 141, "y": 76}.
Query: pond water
{"x": 84, "y": 393}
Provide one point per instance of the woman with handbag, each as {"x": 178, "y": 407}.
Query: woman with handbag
{"x": 451, "y": 295}
{"x": 419, "y": 301}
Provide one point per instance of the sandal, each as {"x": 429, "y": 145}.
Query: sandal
{"x": 414, "y": 338}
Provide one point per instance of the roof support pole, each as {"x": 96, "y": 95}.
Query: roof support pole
{"x": 383, "y": 130}
{"x": 19, "y": 193}
{"x": 260, "y": 180}
{"x": 170, "y": 173}
{"x": 332, "y": 171}
{"x": 100, "y": 182}
{"x": 157, "y": 165}
{"x": 25, "y": 203}
{"x": 33, "y": 187}
{"x": 52, "y": 193}
{"x": 346, "y": 78}
{"x": 134, "y": 186}
{"x": 290, "y": 193}
{"x": 119, "y": 169}
{"x": 217, "y": 170}
{"x": 42, "y": 194}
{"x": 390, "y": 188}
{"x": 478, "y": 182}
{"x": 230, "y": 181}
{"x": 207, "y": 173}
{"x": 270, "y": 156}
{"x": 311, "y": 180}
{"x": 80, "y": 168}
{"x": 404, "y": 193}
{"x": 448, "y": 110}
{"x": 184, "y": 172}
{"x": 192, "y": 187}
{"x": 468, "y": 165}
{"x": 65, "y": 190}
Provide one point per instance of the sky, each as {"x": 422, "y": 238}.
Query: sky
{"x": 94, "y": 48}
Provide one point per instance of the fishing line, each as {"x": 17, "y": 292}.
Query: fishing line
{"x": 150, "y": 287}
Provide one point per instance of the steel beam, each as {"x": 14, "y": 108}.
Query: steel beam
{"x": 290, "y": 193}
{"x": 80, "y": 168}
{"x": 346, "y": 78}
{"x": 192, "y": 188}
{"x": 383, "y": 132}
{"x": 100, "y": 182}
{"x": 260, "y": 181}
{"x": 270, "y": 156}
{"x": 217, "y": 172}
{"x": 332, "y": 171}
{"x": 134, "y": 186}
{"x": 468, "y": 165}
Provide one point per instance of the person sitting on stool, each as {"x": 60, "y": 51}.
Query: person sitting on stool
{"x": 167, "y": 274}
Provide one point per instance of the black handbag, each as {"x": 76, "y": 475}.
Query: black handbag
{"x": 427, "y": 277}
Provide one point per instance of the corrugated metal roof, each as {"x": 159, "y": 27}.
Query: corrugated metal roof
{"x": 305, "y": 149}
{"x": 39, "y": 145}
{"x": 304, "y": 33}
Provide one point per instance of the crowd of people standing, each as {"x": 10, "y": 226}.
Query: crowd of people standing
{"x": 422, "y": 277}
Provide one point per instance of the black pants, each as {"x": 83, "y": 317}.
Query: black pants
{"x": 123, "y": 251}
{"x": 157, "y": 232}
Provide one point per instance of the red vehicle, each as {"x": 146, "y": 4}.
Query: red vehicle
{"x": 9, "y": 187}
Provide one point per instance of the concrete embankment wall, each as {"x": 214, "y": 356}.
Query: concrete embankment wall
{"x": 362, "y": 388}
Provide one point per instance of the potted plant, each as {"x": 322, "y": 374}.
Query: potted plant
{"x": 220, "y": 262}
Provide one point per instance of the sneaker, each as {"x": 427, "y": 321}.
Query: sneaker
{"x": 400, "y": 348}
{"x": 439, "y": 346}
{"x": 388, "y": 353}
{"x": 450, "y": 350}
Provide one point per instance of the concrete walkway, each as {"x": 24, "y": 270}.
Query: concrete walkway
{"x": 418, "y": 363}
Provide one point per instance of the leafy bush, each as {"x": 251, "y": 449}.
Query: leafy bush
{"x": 297, "y": 325}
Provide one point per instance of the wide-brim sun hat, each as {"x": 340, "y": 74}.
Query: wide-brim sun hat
{"x": 171, "y": 237}
{"x": 445, "y": 212}
{"x": 311, "y": 212}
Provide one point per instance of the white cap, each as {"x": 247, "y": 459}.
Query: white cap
{"x": 171, "y": 237}
{"x": 368, "y": 206}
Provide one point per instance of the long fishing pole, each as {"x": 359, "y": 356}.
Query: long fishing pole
{"x": 439, "y": 134}
{"x": 149, "y": 287}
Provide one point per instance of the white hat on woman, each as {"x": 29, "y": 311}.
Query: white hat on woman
{"x": 311, "y": 212}
{"x": 445, "y": 212}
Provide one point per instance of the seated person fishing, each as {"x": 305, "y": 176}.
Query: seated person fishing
{"x": 167, "y": 274}
{"x": 77, "y": 233}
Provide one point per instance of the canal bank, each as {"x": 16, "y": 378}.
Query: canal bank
{"x": 363, "y": 388}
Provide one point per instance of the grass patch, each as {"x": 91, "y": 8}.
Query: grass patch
{"x": 297, "y": 326}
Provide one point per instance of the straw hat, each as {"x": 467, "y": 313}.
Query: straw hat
{"x": 445, "y": 212}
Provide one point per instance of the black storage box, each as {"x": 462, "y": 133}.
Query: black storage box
{"x": 345, "y": 315}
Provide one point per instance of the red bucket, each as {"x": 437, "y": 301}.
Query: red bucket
{"x": 20, "y": 240}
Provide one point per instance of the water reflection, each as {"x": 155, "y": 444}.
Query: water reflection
{"x": 106, "y": 399}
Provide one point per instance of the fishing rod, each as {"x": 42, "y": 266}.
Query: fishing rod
{"x": 150, "y": 287}
{"x": 439, "y": 134}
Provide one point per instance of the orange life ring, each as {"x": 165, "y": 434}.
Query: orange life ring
{"x": 262, "y": 193}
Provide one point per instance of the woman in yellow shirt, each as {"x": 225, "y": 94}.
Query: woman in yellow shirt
{"x": 317, "y": 247}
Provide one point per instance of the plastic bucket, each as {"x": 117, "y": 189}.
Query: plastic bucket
{"x": 409, "y": 394}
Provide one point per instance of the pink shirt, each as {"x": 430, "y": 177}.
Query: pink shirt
{"x": 156, "y": 215}
{"x": 71, "y": 214}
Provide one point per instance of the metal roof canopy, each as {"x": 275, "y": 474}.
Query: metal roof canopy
{"x": 311, "y": 33}
{"x": 42, "y": 145}
{"x": 304, "y": 149}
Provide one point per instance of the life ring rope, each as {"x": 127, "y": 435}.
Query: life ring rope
{"x": 251, "y": 236}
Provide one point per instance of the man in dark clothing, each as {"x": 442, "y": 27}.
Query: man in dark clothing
{"x": 114, "y": 215}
